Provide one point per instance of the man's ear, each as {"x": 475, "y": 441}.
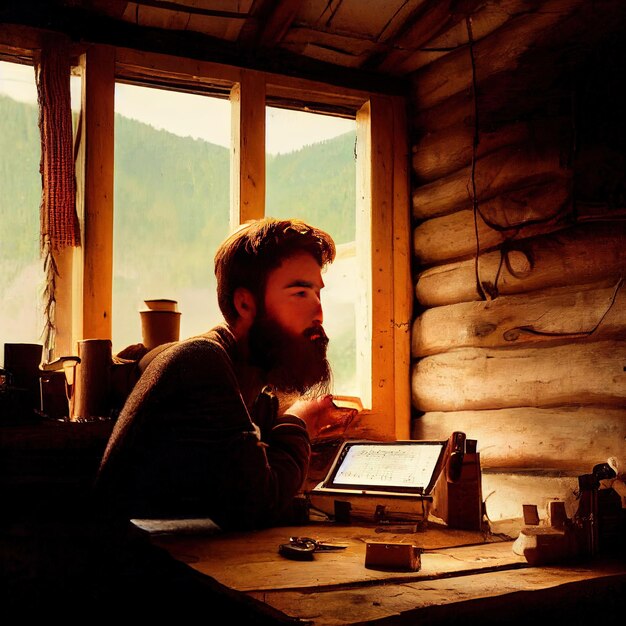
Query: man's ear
{"x": 245, "y": 304}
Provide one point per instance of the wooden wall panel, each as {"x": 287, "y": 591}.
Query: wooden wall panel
{"x": 510, "y": 168}
{"x": 500, "y": 52}
{"x": 383, "y": 186}
{"x": 482, "y": 378}
{"x": 518, "y": 245}
{"x": 566, "y": 439}
{"x": 553, "y": 316}
{"x": 581, "y": 254}
{"x": 504, "y": 494}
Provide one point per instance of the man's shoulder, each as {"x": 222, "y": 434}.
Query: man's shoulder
{"x": 217, "y": 344}
{"x": 219, "y": 336}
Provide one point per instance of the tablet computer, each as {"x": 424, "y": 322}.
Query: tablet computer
{"x": 410, "y": 467}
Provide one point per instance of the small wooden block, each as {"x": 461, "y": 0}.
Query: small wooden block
{"x": 531, "y": 515}
{"x": 393, "y": 556}
{"x": 558, "y": 516}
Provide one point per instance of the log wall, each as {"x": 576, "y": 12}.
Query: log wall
{"x": 519, "y": 243}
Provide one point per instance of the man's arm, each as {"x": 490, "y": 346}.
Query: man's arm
{"x": 186, "y": 445}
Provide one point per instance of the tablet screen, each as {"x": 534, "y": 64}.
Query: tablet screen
{"x": 400, "y": 466}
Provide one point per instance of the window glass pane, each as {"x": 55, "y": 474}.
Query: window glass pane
{"x": 21, "y": 268}
{"x": 311, "y": 175}
{"x": 172, "y": 177}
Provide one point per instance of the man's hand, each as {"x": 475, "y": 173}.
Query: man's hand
{"x": 323, "y": 418}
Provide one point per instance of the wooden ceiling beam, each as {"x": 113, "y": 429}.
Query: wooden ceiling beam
{"x": 267, "y": 23}
{"x": 87, "y": 26}
{"x": 279, "y": 22}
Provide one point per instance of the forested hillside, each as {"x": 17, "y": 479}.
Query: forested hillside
{"x": 181, "y": 183}
{"x": 171, "y": 203}
{"x": 20, "y": 181}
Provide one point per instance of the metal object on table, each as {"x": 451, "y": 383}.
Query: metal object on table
{"x": 56, "y": 381}
{"x": 303, "y": 548}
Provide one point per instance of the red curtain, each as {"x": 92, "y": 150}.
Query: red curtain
{"x": 58, "y": 217}
{"x": 59, "y": 220}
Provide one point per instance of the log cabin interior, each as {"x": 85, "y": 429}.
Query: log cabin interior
{"x": 490, "y": 194}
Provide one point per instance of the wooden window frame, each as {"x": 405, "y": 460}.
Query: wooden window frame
{"x": 85, "y": 284}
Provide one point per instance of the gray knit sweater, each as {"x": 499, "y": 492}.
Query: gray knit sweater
{"x": 186, "y": 445}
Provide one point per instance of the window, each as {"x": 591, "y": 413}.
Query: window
{"x": 171, "y": 206}
{"x": 22, "y": 278}
{"x": 311, "y": 175}
{"x": 87, "y": 294}
{"x": 21, "y": 269}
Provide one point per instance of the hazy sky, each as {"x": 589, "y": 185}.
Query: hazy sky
{"x": 190, "y": 115}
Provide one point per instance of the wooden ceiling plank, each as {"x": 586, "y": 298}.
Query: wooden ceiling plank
{"x": 259, "y": 14}
{"x": 98, "y": 28}
{"x": 393, "y": 27}
{"x": 234, "y": 27}
{"x": 279, "y": 22}
{"x": 332, "y": 55}
{"x": 219, "y": 27}
{"x": 348, "y": 44}
{"x": 168, "y": 20}
{"x": 112, "y": 8}
{"x": 436, "y": 18}
{"x": 190, "y": 9}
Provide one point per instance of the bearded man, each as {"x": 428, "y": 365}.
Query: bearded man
{"x": 201, "y": 434}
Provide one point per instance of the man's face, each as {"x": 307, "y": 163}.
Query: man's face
{"x": 287, "y": 338}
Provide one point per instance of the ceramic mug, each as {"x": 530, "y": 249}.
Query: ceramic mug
{"x": 21, "y": 365}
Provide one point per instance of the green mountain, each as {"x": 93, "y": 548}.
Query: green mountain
{"x": 317, "y": 184}
{"x": 20, "y": 181}
{"x": 169, "y": 187}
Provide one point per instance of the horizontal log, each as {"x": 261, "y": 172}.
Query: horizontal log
{"x": 593, "y": 311}
{"x": 514, "y": 215}
{"x": 584, "y": 25}
{"x": 483, "y": 378}
{"x": 499, "y": 52}
{"x": 582, "y": 254}
{"x": 438, "y": 154}
{"x": 538, "y": 210}
{"x": 532, "y": 42}
{"x": 486, "y": 19}
{"x": 503, "y": 100}
{"x": 508, "y": 169}
{"x": 534, "y": 85}
{"x": 569, "y": 439}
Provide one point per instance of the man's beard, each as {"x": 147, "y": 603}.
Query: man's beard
{"x": 293, "y": 363}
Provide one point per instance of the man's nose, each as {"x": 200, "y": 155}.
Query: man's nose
{"x": 318, "y": 313}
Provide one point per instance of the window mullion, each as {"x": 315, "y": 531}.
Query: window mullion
{"x": 248, "y": 148}
{"x": 97, "y": 237}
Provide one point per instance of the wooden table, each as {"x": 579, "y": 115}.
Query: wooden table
{"x": 464, "y": 576}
